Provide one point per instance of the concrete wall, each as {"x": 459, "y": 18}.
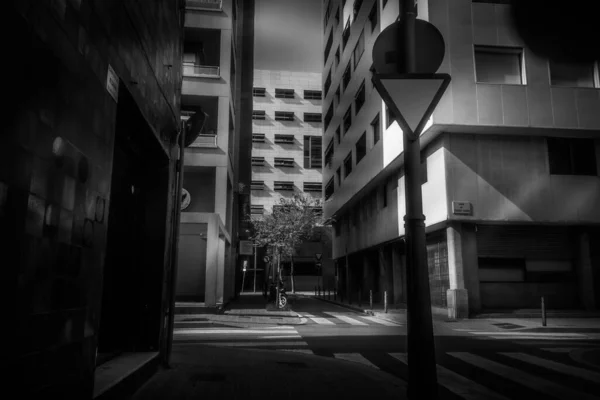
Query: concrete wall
{"x": 522, "y": 189}
{"x": 53, "y": 216}
{"x": 200, "y": 183}
{"x": 191, "y": 277}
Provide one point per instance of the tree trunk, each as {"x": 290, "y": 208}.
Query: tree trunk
{"x": 293, "y": 279}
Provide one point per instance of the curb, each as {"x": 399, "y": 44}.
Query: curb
{"x": 358, "y": 309}
{"x": 532, "y": 315}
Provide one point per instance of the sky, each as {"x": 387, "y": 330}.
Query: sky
{"x": 288, "y": 35}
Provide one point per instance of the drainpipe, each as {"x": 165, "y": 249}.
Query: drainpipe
{"x": 175, "y": 244}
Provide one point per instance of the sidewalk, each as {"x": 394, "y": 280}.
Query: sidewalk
{"x": 224, "y": 373}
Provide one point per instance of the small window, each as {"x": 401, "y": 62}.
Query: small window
{"x": 259, "y": 92}
{"x": 283, "y": 185}
{"x": 327, "y": 14}
{"x": 257, "y": 209}
{"x": 359, "y": 49}
{"x": 312, "y": 152}
{"x": 257, "y": 185}
{"x": 359, "y": 100}
{"x": 327, "y": 83}
{"x": 346, "y": 77}
{"x": 313, "y": 95}
{"x": 572, "y": 156}
{"x": 337, "y": 16}
{"x": 258, "y": 138}
{"x": 502, "y": 65}
{"x": 284, "y": 139}
{"x": 329, "y": 189}
{"x": 313, "y": 186}
{"x": 328, "y": 116}
{"x": 259, "y": 114}
{"x": 348, "y": 165}
{"x": 373, "y": 17}
{"x": 337, "y": 96}
{"x": 338, "y": 173}
{"x": 284, "y": 116}
{"x": 328, "y": 47}
{"x": 338, "y": 135}
{"x": 376, "y": 128}
{"x": 313, "y": 117}
{"x": 347, "y": 119}
{"x": 258, "y": 161}
{"x": 284, "y": 93}
{"x": 361, "y": 147}
{"x": 574, "y": 75}
{"x": 346, "y": 33}
{"x": 329, "y": 153}
{"x": 388, "y": 117}
{"x": 284, "y": 162}
{"x": 337, "y": 57}
{"x": 356, "y": 8}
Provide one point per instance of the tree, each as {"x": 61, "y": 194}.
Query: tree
{"x": 290, "y": 223}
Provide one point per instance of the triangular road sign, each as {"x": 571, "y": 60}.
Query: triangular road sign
{"x": 411, "y": 97}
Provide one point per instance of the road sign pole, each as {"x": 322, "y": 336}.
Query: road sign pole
{"x": 422, "y": 375}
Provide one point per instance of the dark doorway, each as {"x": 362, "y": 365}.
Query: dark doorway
{"x": 135, "y": 254}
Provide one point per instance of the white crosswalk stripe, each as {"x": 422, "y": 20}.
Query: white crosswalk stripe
{"x": 531, "y": 381}
{"x": 538, "y": 335}
{"x": 318, "y": 320}
{"x": 556, "y": 366}
{"x": 381, "y": 321}
{"x": 347, "y": 319}
{"x": 355, "y": 357}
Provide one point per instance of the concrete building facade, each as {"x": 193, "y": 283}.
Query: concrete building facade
{"x": 213, "y": 66}
{"x": 287, "y": 158}
{"x": 87, "y": 192}
{"x": 510, "y": 166}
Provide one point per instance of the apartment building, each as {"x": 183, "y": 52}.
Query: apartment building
{"x": 216, "y": 31}
{"x": 510, "y": 166}
{"x": 287, "y": 157}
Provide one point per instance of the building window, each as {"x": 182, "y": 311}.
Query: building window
{"x": 313, "y": 186}
{"x": 313, "y": 158}
{"x": 259, "y": 114}
{"x": 572, "y": 156}
{"x": 356, "y": 8}
{"x": 338, "y": 135}
{"x": 346, "y": 77}
{"x": 574, "y": 75}
{"x": 328, "y": 116}
{"x": 389, "y": 118}
{"x": 313, "y": 117}
{"x": 284, "y": 162}
{"x": 337, "y": 57}
{"x": 328, "y": 47}
{"x": 347, "y": 120}
{"x": 284, "y": 115}
{"x": 259, "y": 92}
{"x": 499, "y": 65}
{"x": 327, "y": 83}
{"x": 329, "y": 189}
{"x": 258, "y": 161}
{"x": 257, "y": 185}
{"x": 284, "y": 139}
{"x": 423, "y": 171}
{"x": 337, "y": 96}
{"x": 284, "y": 93}
{"x": 373, "y": 17}
{"x": 337, "y": 17}
{"x": 258, "y": 138}
{"x": 346, "y": 34}
{"x": 376, "y": 128}
{"x": 283, "y": 185}
{"x": 313, "y": 95}
{"x": 361, "y": 147}
{"x": 348, "y": 165}
{"x": 359, "y": 100}
{"x": 327, "y": 15}
{"x": 338, "y": 173}
{"x": 257, "y": 209}
{"x": 384, "y": 193}
{"x": 359, "y": 49}
{"x": 329, "y": 153}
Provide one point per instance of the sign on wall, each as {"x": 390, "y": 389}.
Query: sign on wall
{"x": 185, "y": 199}
{"x": 461, "y": 208}
{"x": 246, "y": 248}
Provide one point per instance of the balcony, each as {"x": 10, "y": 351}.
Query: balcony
{"x": 201, "y": 71}
{"x": 205, "y": 141}
{"x": 204, "y": 5}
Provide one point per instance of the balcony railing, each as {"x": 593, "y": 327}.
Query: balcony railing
{"x": 204, "y": 71}
{"x": 205, "y": 5}
{"x": 205, "y": 141}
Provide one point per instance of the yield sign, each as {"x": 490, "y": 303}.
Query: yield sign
{"x": 411, "y": 97}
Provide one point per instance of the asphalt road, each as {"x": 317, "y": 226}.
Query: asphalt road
{"x": 476, "y": 359}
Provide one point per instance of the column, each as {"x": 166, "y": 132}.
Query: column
{"x": 397, "y": 274}
{"x": 458, "y": 301}
{"x": 471, "y": 266}
{"x": 212, "y": 262}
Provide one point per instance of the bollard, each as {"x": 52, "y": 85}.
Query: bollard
{"x": 371, "y": 299}
{"x": 543, "y": 312}
{"x": 385, "y": 301}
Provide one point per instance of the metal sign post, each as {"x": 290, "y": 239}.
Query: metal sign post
{"x": 406, "y": 56}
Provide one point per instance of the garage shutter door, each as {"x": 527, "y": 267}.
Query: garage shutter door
{"x": 524, "y": 241}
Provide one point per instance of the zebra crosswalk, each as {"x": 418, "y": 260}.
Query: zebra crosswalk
{"x": 339, "y": 319}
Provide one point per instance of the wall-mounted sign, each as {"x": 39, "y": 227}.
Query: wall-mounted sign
{"x": 112, "y": 83}
{"x": 461, "y": 208}
{"x": 185, "y": 199}
{"x": 318, "y": 256}
{"x": 246, "y": 248}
